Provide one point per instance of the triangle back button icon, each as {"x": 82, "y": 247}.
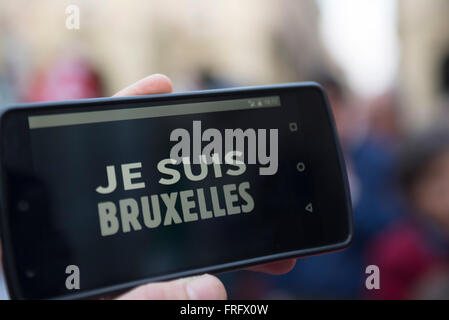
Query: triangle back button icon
{"x": 309, "y": 207}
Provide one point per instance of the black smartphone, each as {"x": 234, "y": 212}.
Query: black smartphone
{"x": 93, "y": 200}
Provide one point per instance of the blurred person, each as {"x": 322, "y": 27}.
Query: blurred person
{"x": 207, "y": 79}
{"x": 14, "y": 64}
{"x": 442, "y": 107}
{"x": 413, "y": 254}
{"x": 369, "y": 152}
{"x": 384, "y": 118}
{"x": 434, "y": 286}
{"x": 373, "y": 153}
{"x": 445, "y": 76}
{"x": 8, "y": 91}
{"x": 68, "y": 77}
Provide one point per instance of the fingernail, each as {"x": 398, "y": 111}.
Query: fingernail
{"x": 205, "y": 287}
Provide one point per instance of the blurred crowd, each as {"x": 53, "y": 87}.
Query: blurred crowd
{"x": 399, "y": 181}
{"x": 399, "y": 184}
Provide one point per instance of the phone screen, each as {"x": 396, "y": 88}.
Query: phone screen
{"x": 96, "y": 187}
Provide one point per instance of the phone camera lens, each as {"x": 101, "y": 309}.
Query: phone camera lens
{"x": 23, "y": 206}
{"x": 30, "y": 274}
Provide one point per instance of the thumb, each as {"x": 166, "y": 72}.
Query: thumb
{"x": 205, "y": 287}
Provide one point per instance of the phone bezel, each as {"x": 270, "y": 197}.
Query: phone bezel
{"x": 7, "y": 256}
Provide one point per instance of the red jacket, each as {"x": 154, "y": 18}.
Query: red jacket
{"x": 405, "y": 254}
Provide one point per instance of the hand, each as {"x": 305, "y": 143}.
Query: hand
{"x": 193, "y": 288}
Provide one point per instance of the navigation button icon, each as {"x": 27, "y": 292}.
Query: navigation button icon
{"x": 301, "y": 167}
{"x": 293, "y": 126}
{"x": 309, "y": 207}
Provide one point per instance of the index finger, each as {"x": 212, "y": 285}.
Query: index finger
{"x": 153, "y": 84}
{"x": 277, "y": 267}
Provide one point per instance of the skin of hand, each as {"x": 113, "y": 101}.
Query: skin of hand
{"x": 193, "y": 288}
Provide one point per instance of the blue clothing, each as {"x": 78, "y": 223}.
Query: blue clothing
{"x": 341, "y": 275}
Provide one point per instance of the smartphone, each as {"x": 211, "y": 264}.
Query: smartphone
{"x": 101, "y": 195}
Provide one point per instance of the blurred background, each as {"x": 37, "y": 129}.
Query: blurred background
{"x": 384, "y": 64}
